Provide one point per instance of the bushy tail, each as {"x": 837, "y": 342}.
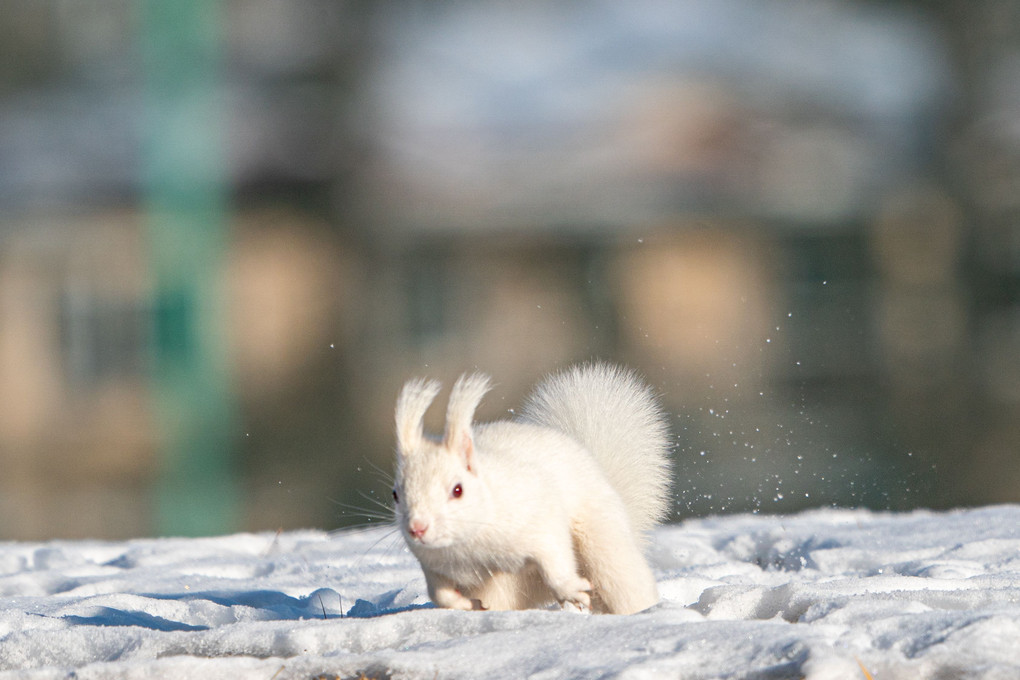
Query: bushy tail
{"x": 616, "y": 416}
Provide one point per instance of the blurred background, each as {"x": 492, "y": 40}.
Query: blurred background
{"x": 230, "y": 230}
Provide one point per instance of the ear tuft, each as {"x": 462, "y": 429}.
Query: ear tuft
{"x": 464, "y": 399}
{"x": 414, "y": 400}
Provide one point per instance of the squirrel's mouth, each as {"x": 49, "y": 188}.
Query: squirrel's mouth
{"x": 427, "y": 541}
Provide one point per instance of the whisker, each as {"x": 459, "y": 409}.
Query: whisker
{"x": 382, "y": 504}
{"x": 385, "y": 512}
{"x": 369, "y": 514}
{"x": 391, "y": 534}
{"x": 386, "y": 475}
{"x": 357, "y": 529}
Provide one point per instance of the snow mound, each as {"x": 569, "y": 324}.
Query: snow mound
{"x": 824, "y": 594}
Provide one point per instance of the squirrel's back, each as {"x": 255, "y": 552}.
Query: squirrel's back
{"x": 613, "y": 414}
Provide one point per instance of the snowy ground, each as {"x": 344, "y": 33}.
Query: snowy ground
{"x": 818, "y": 595}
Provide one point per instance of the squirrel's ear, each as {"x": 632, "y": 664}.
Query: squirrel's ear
{"x": 464, "y": 399}
{"x": 414, "y": 400}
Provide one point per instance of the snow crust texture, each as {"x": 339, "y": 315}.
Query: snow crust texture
{"x": 824, "y": 594}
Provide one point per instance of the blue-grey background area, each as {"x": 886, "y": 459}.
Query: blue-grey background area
{"x": 230, "y": 230}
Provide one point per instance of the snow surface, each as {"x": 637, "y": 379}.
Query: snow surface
{"x": 823, "y": 594}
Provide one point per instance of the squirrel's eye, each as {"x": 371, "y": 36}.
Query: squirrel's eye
{"x": 396, "y": 496}
{"x": 457, "y": 492}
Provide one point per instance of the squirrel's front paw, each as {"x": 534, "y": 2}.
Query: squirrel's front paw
{"x": 451, "y": 598}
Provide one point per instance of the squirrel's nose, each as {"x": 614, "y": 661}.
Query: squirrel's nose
{"x": 417, "y": 528}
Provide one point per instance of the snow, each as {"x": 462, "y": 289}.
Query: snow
{"x": 823, "y": 594}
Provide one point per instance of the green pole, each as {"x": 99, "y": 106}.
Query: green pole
{"x": 186, "y": 219}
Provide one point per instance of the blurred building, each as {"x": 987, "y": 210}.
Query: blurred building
{"x": 798, "y": 220}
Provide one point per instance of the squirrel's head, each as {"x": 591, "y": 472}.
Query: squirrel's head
{"x": 437, "y": 493}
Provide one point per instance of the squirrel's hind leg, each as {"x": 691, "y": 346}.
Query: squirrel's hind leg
{"x": 611, "y": 557}
{"x": 557, "y": 565}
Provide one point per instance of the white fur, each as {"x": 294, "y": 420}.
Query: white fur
{"x": 551, "y": 507}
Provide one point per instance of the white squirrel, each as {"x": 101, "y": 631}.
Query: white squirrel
{"x": 553, "y": 505}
